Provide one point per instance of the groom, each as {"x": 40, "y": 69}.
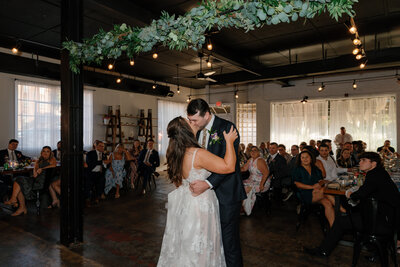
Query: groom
{"x": 228, "y": 187}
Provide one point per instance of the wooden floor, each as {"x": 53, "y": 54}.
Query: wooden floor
{"x": 128, "y": 232}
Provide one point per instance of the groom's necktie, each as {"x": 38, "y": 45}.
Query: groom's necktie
{"x": 203, "y": 141}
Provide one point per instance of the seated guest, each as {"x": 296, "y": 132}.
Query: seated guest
{"x": 263, "y": 150}
{"x": 115, "y": 175}
{"x": 308, "y": 179}
{"x": 95, "y": 161}
{"x": 318, "y": 144}
{"x": 248, "y": 148}
{"x": 330, "y": 165}
{"x": 386, "y": 149}
{"x": 278, "y": 170}
{"x": 11, "y": 153}
{"x": 148, "y": 162}
{"x": 327, "y": 142}
{"x": 242, "y": 154}
{"x": 54, "y": 189}
{"x": 23, "y": 187}
{"x": 134, "y": 152}
{"x": 283, "y": 153}
{"x": 318, "y": 163}
{"x": 313, "y": 144}
{"x": 349, "y": 146}
{"x": 57, "y": 152}
{"x": 257, "y": 182}
{"x": 378, "y": 185}
{"x": 295, "y": 152}
{"x": 302, "y": 145}
{"x": 357, "y": 149}
{"x": 344, "y": 160}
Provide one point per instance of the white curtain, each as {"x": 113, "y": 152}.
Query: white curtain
{"x": 293, "y": 123}
{"x": 372, "y": 120}
{"x": 38, "y": 116}
{"x": 167, "y": 110}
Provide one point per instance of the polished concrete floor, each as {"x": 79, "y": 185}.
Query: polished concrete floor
{"x": 128, "y": 232}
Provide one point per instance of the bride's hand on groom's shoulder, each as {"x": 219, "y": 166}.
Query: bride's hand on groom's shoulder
{"x": 231, "y": 136}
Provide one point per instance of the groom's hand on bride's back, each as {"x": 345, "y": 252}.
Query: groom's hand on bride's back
{"x": 198, "y": 187}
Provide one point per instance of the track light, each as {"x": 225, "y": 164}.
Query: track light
{"x": 354, "y": 85}
{"x": 356, "y": 41}
{"x": 321, "y": 88}
{"x": 154, "y": 85}
{"x": 304, "y": 100}
{"x": 209, "y": 44}
{"x": 236, "y": 94}
{"x": 188, "y": 100}
{"x": 178, "y": 90}
{"x": 131, "y": 62}
{"x": 353, "y": 29}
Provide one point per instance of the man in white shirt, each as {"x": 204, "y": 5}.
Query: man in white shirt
{"x": 11, "y": 153}
{"x": 342, "y": 138}
{"x": 331, "y": 168}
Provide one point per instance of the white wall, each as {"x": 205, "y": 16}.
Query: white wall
{"x": 130, "y": 103}
{"x": 264, "y": 93}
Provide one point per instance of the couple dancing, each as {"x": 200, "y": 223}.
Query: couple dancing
{"x": 203, "y": 211}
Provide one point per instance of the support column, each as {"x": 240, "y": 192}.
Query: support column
{"x": 71, "y": 216}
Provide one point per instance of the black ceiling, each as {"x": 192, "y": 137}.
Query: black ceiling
{"x": 281, "y": 52}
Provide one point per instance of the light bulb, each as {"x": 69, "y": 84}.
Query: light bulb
{"x": 359, "y": 56}
{"x": 154, "y": 86}
{"x": 118, "y": 80}
{"x": 188, "y": 100}
{"x": 14, "y": 50}
{"x": 353, "y": 30}
{"x": 304, "y": 102}
{"x": 155, "y": 55}
{"x": 321, "y": 88}
{"x": 236, "y": 96}
{"x": 362, "y": 65}
{"x": 178, "y": 91}
{"x": 356, "y": 51}
{"x": 356, "y": 41}
{"x": 209, "y": 64}
{"x": 354, "y": 85}
{"x": 132, "y": 62}
{"x": 110, "y": 66}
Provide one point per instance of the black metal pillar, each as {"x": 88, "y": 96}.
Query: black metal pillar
{"x": 71, "y": 217}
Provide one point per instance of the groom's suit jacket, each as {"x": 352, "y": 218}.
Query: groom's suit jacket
{"x": 228, "y": 187}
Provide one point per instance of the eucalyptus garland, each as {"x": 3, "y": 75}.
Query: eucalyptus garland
{"x": 188, "y": 31}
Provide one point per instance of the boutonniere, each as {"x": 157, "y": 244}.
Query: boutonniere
{"x": 214, "y": 138}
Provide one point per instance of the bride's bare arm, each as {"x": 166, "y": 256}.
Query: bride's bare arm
{"x": 216, "y": 164}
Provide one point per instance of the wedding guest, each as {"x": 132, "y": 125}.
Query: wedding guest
{"x": 345, "y": 159}
{"x": 242, "y": 154}
{"x": 295, "y": 151}
{"x": 308, "y": 179}
{"x": 148, "y": 162}
{"x": 357, "y": 150}
{"x": 23, "y": 187}
{"x": 11, "y": 153}
{"x": 135, "y": 152}
{"x": 263, "y": 150}
{"x": 116, "y": 173}
{"x": 54, "y": 189}
{"x": 278, "y": 170}
{"x": 302, "y": 145}
{"x": 57, "y": 152}
{"x": 95, "y": 180}
{"x": 257, "y": 182}
{"x": 349, "y": 146}
{"x": 318, "y": 163}
{"x": 313, "y": 143}
{"x": 342, "y": 138}
{"x": 378, "y": 185}
{"x": 386, "y": 148}
{"x": 330, "y": 165}
{"x": 327, "y": 142}
{"x": 248, "y": 148}
{"x": 283, "y": 153}
{"x": 318, "y": 144}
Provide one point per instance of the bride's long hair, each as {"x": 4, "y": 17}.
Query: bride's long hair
{"x": 180, "y": 137}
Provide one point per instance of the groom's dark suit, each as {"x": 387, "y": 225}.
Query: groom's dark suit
{"x": 230, "y": 193}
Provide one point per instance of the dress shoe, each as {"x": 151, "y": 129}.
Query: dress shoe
{"x": 315, "y": 252}
{"x": 19, "y": 212}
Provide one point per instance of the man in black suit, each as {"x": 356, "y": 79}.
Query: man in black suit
{"x": 95, "y": 161}
{"x": 278, "y": 171}
{"x": 228, "y": 187}
{"x": 378, "y": 185}
{"x": 11, "y": 153}
{"x": 148, "y": 160}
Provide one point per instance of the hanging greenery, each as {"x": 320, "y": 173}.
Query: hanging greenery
{"x": 188, "y": 31}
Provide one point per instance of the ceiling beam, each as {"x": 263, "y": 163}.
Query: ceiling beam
{"x": 388, "y": 58}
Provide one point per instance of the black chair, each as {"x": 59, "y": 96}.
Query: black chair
{"x": 49, "y": 175}
{"x": 382, "y": 241}
{"x": 139, "y": 180}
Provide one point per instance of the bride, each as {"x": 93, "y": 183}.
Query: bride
{"x": 192, "y": 234}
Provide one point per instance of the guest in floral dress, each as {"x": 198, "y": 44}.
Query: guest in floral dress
{"x": 116, "y": 173}
{"x": 135, "y": 152}
{"x": 257, "y": 182}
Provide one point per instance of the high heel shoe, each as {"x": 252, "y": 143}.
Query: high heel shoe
{"x": 55, "y": 204}
{"x": 117, "y": 195}
{"x": 10, "y": 202}
{"x": 19, "y": 212}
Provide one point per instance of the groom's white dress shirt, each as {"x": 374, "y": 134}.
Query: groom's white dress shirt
{"x": 208, "y": 127}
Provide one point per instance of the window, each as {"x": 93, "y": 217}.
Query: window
{"x": 371, "y": 120}
{"x": 38, "y": 116}
{"x": 246, "y": 123}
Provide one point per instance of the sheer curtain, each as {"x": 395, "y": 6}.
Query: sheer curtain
{"x": 372, "y": 120}
{"x": 167, "y": 110}
{"x": 294, "y": 122}
{"x": 38, "y": 116}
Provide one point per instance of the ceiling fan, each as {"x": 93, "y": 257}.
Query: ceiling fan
{"x": 204, "y": 76}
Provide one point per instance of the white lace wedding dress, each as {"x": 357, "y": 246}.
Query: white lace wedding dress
{"x": 192, "y": 234}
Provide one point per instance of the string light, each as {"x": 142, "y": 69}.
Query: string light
{"x": 14, "y": 50}
{"x": 119, "y": 80}
{"x": 110, "y": 66}
{"x": 356, "y": 51}
{"x": 209, "y": 45}
{"x": 354, "y": 85}
{"x": 154, "y": 85}
{"x": 359, "y": 56}
{"x": 353, "y": 29}
{"x": 131, "y": 62}
{"x": 363, "y": 64}
{"x": 356, "y": 41}
{"x": 209, "y": 64}
{"x": 155, "y": 55}
{"x": 321, "y": 88}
